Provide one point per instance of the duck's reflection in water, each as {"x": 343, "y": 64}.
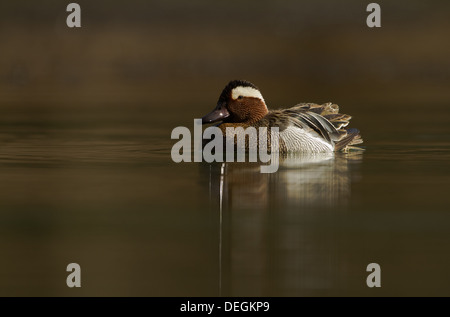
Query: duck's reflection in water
{"x": 275, "y": 230}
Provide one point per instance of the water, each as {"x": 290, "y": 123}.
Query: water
{"x": 97, "y": 186}
{"x": 86, "y": 174}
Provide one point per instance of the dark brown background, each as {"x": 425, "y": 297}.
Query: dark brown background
{"x": 86, "y": 174}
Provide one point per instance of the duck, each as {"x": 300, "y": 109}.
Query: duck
{"x": 303, "y": 128}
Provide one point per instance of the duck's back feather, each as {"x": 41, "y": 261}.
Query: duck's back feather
{"x": 313, "y": 128}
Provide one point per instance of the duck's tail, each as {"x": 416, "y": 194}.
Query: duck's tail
{"x": 349, "y": 137}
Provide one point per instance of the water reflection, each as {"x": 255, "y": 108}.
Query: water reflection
{"x": 271, "y": 239}
{"x": 302, "y": 180}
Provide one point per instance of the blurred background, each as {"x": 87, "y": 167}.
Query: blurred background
{"x": 86, "y": 175}
{"x": 174, "y": 51}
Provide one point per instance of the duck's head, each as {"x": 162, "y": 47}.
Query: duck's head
{"x": 239, "y": 102}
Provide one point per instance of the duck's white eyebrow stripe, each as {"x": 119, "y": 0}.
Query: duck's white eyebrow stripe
{"x": 246, "y": 92}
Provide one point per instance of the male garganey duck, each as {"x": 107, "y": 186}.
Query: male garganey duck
{"x": 306, "y": 127}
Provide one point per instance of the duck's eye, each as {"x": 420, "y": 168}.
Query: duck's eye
{"x": 240, "y": 97}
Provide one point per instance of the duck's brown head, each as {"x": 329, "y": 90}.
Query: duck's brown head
{"x": 239, "y": 102}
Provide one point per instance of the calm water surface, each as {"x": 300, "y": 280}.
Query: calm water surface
{"x": 97, "y": 186}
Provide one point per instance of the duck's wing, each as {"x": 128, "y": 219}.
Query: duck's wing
{"x": 351, "y": 138}
{"x": 302, "y": 117}
{"x": 325, "y": 120}
{"x": 330, "y": 111}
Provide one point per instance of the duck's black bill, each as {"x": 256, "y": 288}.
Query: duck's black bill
{"x": 218, "y": 114}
